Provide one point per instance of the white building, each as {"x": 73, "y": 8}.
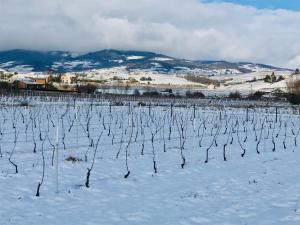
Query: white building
{"x": 68, "y": 78}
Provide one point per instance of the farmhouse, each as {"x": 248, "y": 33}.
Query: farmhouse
{"x": 40, "y": 81}
{"x": 29, "y": 83}
{"x": 68, "y": 79}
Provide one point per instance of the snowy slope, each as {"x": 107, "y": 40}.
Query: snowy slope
{"x": 2, "y": 70}
{"x": 245, "y": 82}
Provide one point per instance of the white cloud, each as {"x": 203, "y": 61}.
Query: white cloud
{"x": 186, "y": 29}
{"x": 294, "y": 62}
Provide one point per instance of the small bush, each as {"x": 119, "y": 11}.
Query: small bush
{"x": 196, "y": 94}
{"x": 257, "y": 95}
{"x": 188, "y": 94}
{"x": 136, "y": 92}
{"x": 5, "y": 85}
{"x": 235, "y": 95}
{"x": 271, "y": 79}
{"x": 132, "y": 80}
{"x": 73, "y": 159}
{"x": 118, "y": 104}
{"x": 24, "y": 103}
{"x": 279, "y": 93}
{"x": 151, "y": 93}
{"x": 145, "y": 79}
{"x": 280, "y": 78}
{"x": 141, "y": 104}
{"x": 202, "y": 80}
{"x": 267, "y": 79}
{"x": 168, "y": 90}
{"x": 89, "y": 88}
{"x": 50, "y": 87}
{"x": 294, "y": 99}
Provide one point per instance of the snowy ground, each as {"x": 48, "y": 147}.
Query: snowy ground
{"x": 242, "y": 82}
{"x": 255, "y": 189}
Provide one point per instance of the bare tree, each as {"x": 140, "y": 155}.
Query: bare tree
{"x": 87, "y": 182}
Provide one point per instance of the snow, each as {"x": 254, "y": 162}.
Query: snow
{"x": 7, "y": 64}
{"x": 117, "y": 61}
{"x": 10, "y": 66}
{"x": 21, "y": 68}
{"x": 134, "y": 57}
{"x": 257, "y": 189}
{"x": 73, "y": 64}
{"x": 181, "y": 68}
{"x": 106, "y": 74}
{"x": 156, "y": 65}
{"x": 255, "y": 68}
{"x": 162, "y": 59}
{"x": 215, "y": 73}
{"x": 257, "y": 86}
{"x": 245, "y": 82}
{"x": 27, "y": 75}
{"x": 260, "y": 68}
{"x": 164, "y": 79}
{"x": 122, "y": 73}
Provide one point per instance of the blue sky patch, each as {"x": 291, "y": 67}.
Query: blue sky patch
{"x": 265, "y": 4}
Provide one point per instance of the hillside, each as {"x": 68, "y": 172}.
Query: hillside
{"x": 61, "y": 61}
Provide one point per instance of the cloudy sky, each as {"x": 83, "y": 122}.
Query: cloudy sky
{"x": 265, "y": 31}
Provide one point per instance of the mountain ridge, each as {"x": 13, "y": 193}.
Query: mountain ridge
{"x": 64, "y": 61}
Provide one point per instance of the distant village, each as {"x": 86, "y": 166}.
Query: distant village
{"x": 45, "y": 81}
{"x": 101, "y": 81}
{"x": 265, "y": 85}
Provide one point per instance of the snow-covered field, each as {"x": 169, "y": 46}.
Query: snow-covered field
{"x": 156, "y": 78}
{"x": 164, "y": 148}
{"x": 242, "y": 82}
{"x": 245, "y": 82}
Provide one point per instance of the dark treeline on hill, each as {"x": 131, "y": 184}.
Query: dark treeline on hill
{"x": 202, "y": 80}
